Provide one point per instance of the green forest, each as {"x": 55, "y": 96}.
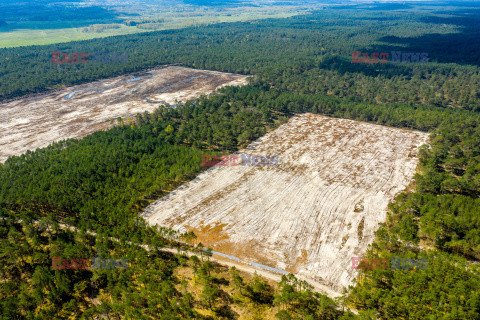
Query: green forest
{"x": 302, "y": 64}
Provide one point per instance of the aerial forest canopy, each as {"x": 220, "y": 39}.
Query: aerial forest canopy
{"x": 307, "y": 54}
{"x": 300, "y": 64}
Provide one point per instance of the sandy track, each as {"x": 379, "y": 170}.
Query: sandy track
{"x": 36, "y": 121}
{"x": 221, "y": 260}
{"x": 310, "y": 214}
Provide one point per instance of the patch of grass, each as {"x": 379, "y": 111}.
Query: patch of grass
{"x": 26, "y": 33}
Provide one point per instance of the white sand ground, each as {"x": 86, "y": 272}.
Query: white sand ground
{"x": 37, "y": 121}
{"x": 310, "y": 214}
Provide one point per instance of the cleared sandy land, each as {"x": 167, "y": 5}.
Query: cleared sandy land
{"x": 310, "y": 214}
{"x": 36, "y": 121}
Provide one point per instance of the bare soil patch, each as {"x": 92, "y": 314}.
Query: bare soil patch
{"x": 37, "y": 121}
{"x": 310, "y": 214}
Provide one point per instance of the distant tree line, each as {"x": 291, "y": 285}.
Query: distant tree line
{"x": 305, "y": 54}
